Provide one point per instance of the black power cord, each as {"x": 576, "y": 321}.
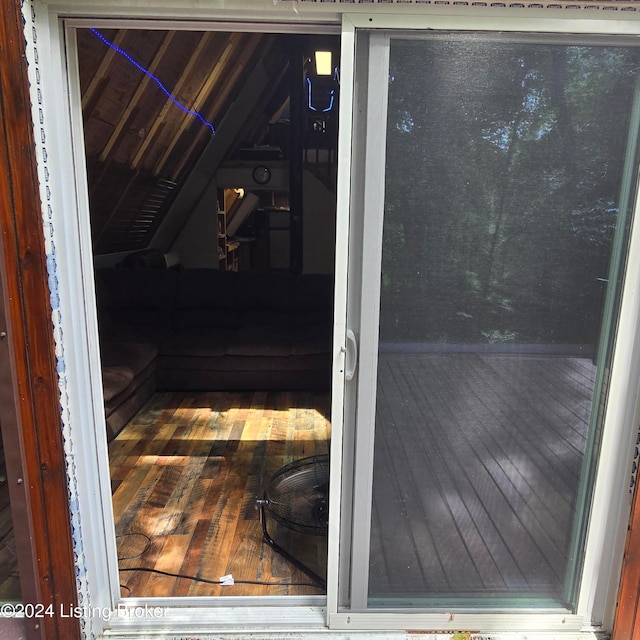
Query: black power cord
{"x": 221, "y": 582}
{"x": 197, "y": 578}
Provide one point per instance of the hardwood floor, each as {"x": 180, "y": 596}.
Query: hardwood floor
{"x": 186, "y": 474}
{"x": 477, "y": 463}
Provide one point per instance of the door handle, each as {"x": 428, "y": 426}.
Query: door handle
{"x": 351, "y": 355}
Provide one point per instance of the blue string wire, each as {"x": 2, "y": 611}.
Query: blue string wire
{"x": 156, "y": 80}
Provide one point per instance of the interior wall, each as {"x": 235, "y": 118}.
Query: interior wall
{"x": 196, "y": 245}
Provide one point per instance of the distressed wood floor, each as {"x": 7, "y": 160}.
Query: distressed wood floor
{"x": 186, "y": 473}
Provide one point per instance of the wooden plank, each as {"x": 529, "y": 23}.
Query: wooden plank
{"x": 131, "y": 108}
{"x": 528, "y": 494}
{"x": 531, "y": 382}
{"x": 203, "y": 481}
{"x": 100, "y": 78}
{"x": 160, "y": 118}
{"x": 134, "y": 488}
{"x": 191, "y": 559}
{"x": 512, "y": 520}
{"x": 248, "y": 552}
{"x": 228, "y": 83}
{"x": 476, "y": 501}
{"x": 483, "y": 469}
{"x": 427, "y": 466}
{"x": 546, "y": 451}
{"x": 175, "y": 546}
{"x": 627, "y": 617}
{"x": 399, "y": 513}
{"x": 212, "y": 78}
{"x": 44, "y": 490}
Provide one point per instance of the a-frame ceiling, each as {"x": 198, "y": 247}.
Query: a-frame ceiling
{"x": 141, "y": 91}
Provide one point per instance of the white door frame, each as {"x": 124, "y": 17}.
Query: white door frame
{"x": 65, "y": 222}
{"x": 611, "y": 501}
{"x": 57, "y": 107}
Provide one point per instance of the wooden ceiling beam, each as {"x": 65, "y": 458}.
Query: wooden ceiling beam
{"x": 198, "y": 189}
{"x": 137, "y": 96}
{"x": 98, "y": 80}
{"x": 199, "y": 100}
{"x": 160, "y": 118}
{"x": 230, "y": 82}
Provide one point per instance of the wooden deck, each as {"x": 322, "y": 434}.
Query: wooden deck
{"x": 479, "y": 458}
{"x": 477, "y": 463}
{"x": 186, "y": 474}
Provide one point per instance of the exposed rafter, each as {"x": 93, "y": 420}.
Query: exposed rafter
{"x": 150, "y": 137}
{"x": 137, "y": 96}
{"x": 204, "y": 93}
{"x": 143, "y": 144}
{"x": 220, "y": 103}
{"x": 102, "y": 72}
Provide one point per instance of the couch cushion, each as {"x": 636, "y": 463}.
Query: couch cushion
{"x": 264, "y": 318}
{"x": 266, "y": 365}
{"x": 186, "y": 318}
{"x": 136, "y": 305}
{"x": 264, "y": 291}
{"x": 206, "y": 298}
{"x": 260, "y": 341}
{"x": 115, "y": 380}
{"x": 207, "y": 289}
{"x": 137, "y": 325}
{"x": 313, "y": 292}
{"x": 134, "y": 355}
{"x": 198, "y": 342}
{"x": 311, "y": 339}
{"x": 151, "y": 289}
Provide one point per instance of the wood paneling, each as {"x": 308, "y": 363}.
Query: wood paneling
{"x": 627, "y": 620}
{"x": 31, "y": 336}
{"x": 147, "y": 102}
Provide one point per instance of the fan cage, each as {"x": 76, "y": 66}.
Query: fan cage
{"x": 298, "y": 495}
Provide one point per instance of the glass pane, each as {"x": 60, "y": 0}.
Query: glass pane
{"x": 504, "y": 232}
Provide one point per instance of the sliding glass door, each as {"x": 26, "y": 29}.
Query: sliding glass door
{"x": 497, "y": 179}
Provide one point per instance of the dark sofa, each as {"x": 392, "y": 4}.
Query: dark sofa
{"x": 203, "y": 329}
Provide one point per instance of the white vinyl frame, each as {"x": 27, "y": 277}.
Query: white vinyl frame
{"x": 57, "y": 88}
{"x": 611, "y": 499}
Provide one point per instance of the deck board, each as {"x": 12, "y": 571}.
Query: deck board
{"x": 487, "y": 452}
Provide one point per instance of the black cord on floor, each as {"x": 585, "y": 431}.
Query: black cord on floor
{"x": 219, "y": 582}
{"x": 136, "y": 555}
{"x": 196, "y": 578}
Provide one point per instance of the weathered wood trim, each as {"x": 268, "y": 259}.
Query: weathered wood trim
{"x": 29, "y": 311}
{"x": 627, "y": 621}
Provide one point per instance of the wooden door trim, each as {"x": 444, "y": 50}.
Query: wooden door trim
{"x": 627, "y": 618}
{"x": 31, "y": 339}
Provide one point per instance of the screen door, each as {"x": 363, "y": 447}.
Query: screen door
{"x": 497, "y": 174}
